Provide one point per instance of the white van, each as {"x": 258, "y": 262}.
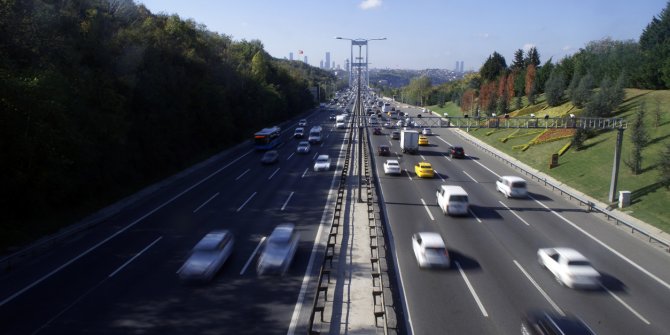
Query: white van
{"x": 512, "y": 187}
{"x": 453, "y": 200}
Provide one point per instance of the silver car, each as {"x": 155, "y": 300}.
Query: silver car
{"x": 207, "y": 256}
{"x": 303, "y": 147}
{"x": 430, "y": 250}
{"x": 279, "y": 250}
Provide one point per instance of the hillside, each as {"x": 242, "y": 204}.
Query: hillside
{"x": 589, "y": 170}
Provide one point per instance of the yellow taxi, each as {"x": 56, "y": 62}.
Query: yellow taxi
{"x": 423, "y": 140}
{"x": 424, "y": 170}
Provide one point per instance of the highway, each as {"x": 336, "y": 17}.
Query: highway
{"x": 120, "y": 276}
{"x": 495, "y": 276}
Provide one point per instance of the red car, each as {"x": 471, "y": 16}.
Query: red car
{"x": 457, "y": 152}
{"x": 376, "y": 131}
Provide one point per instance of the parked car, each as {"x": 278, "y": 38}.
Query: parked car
{"x": 270, "y": 157}
{"x": 303, "y": 147}
{"x": 423, "y": 140}
{"x": 322, "y": 163}
{"x": 395, "y": 135}
{"x": 569, "y": 267}
{"x": 424, "y": 170}
{"x": 302, "y": 123}
{"x": 512, "y": 186}
{"x": 299, "y": 132}
{"x": 540, "y": 322}
{"x": 383, "y": 150}
{"x": 208, "y": 256}
{"x": 456, "y": 152}
{"x": 279, "y": 250}
{"x": 430, "y": 250}
{"x": 392, "y": 166}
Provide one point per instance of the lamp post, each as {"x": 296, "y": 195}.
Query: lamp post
{"x": 360, "y": 42}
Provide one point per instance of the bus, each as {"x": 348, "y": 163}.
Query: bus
{"x": 267, "y": 138}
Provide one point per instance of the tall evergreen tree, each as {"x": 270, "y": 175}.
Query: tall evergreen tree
{"x": 533, "y": 57}
{"x": 582, "y": 94}
{"x": 664, "y": 165}
{"x": 554, "y": 88}
{"x": 494, "y": 66}
{"x": 639, "y": 138}
{"x": 655, "y": 45}
{"x": 518, "y": 62}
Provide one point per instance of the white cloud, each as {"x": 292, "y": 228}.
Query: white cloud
{"x": 567, "y": 48}
{"x": 527, "y": 46}
{"x": 368, "y": 4}
{"x": 483, "y": 35}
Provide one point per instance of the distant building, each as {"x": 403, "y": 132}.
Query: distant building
{"x": 290, "y": 56}
{"x": 306, "y": 62}
{"x": 321, "y": 64}
{"x": 461, "y": 67}
{"x": 327, "y": 60}
{"x": 456, "y": 67}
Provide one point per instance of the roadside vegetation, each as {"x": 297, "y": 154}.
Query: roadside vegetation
{"x": 100, "y": 98}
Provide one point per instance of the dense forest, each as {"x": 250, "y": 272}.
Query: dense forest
{"x": 101, "y": 97}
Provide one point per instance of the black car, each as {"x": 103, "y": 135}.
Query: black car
{"x": 457, "y": 152}
{"x": 395, "y": 135}
{"x": 383, "y": 150}
{"x": 270, "y": 157}
{"x": 547, "y": 323}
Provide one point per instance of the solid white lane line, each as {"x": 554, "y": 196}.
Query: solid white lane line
{"x": 205, "y": 203}
{"x": 544, "y": 294}
{"x": 475, "y": 215}
{"x": 515, "y": 214}
{"x": 440, "y": 138}
{"x": 316, "y": 154}
{"x": 439, "y": 175}
{"x": 484, "y": 166}
{"x": 291, "y": 155}
{"x": 304, "y": 173}
{"x": 89, "y": 250}
{"x": 287, "y": 200}
{"x": 244, "y": 204}
{"x": 253, "y": 255}
{"x": 473, "y": 179}
{"x": 408, "y": 175}
{"x": 626, "y": 305}
{"x": 447, "y": 157}
{"x": 472, "y": 290}
{"x": 243, "y": 173}
{"x": 424, "y": 158}
{"x": 643, "y": 270}
{"x": 427, "y": 210}
{"x": 133, "y": 258}
{"x": 273, "y": 173}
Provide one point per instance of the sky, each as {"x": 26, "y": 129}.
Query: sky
{"x": 420, "y": 34}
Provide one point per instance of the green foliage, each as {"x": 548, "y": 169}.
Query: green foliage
{"x": 655, "y": 46}
{"x": 580, "y": 136}
{"x": 664, "y": 165}
{"x": 533, "y": 57}
{"x": 639, "y": 138}
{"x": 518, "y": 62}
{"x": 581, "y": 95}
{"x": 554, "y": 88}
{"x": 494, "y": 66}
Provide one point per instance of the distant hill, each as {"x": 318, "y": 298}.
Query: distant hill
{"x": 396, "y": 78}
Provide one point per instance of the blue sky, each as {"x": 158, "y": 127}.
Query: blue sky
{"x": 420, "y": 33}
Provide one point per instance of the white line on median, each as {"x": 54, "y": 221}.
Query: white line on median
{"x": 544, "y": 294}
{"x": 273, "y": 173}
{"x": 515, "y": 214}
{"x": 473, "y": 179}
{"x": 240, "y": 208}
{"x": 243, "y": 173}
{"x": 427, "y": 210}
{"x": 287, "y": 200}
{"x": 472, "y": 290}
{"x": 253, "y": 254}
{"x": 205, "y": 203}
{"x": 626, "y": 305}
{"x": 643, "y": 270}
{"x": 133, "y": 258}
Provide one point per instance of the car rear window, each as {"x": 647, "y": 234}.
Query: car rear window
{"x": 519, "y": 184}
{"x": 459, "y": 198}
{"x": 579, "y": 263}
{"x": 436, "y": 251}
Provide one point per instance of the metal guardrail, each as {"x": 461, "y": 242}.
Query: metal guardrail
{"x": 590, "y": 205}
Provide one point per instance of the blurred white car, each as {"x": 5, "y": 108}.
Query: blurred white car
{"x": 430, "y": 250}
{"x": 279, "y": 250}
{"x": 302, "y": 123}
{"x": 392, "y": 166}
{"x": 322, "y": 163}
{"x": 512, "y": 187}
{"x": 569, "y": 267}
{"x": 207, "y": 256}
{"x": 303, "y": 147}
{"x": 426, "y": 131}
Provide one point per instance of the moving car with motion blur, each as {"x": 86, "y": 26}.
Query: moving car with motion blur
{"x": 322, "y": 163}
{"x": 430, "y": 250}
{"x": 303, "y": 147}
{"x": 270, "y": 157}
{"x": 569, "y": 267}
{"x": 540, "y": 322}
{"x": 207, "y": 257}
{"x": 456, "y": 152}
{"x": 280, "y": 248}
{"x": 392, "y": 166}
{"x": 424, "y": 170}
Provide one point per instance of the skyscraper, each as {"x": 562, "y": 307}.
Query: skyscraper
{"x": 456, "y": 67}
{"x": 461, "y": 67}
{"x": 321, "y": 64}
{"x": 306, "y": 60}
{"x": 290, "y": 56}
{"x": 327, "y": 62}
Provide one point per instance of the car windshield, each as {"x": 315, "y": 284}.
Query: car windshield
{"x": 435, "y": 251}
{"x": 281, "y": 235}
{"x": 392, "y": 164}
{"x": 322, "y": 160}
{"x": 579, "y": 263}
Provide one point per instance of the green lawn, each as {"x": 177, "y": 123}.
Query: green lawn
{"x": 590, "y": 170}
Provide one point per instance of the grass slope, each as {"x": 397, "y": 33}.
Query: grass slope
{"x": 590, "y": 170}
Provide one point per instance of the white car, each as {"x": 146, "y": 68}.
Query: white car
{"x": 207, "y": 257}
{"x": 426, "y": 131}
{"x": 299, "y": 132}
{"x": 279, "y": 250}
{"x": 512, "y": 187}
{"x": 322, "y": 163}
{"x": 430, "y": 250}
{"x": 340, "y": 125}
{"x": 392, "y": 166}
{"x": 303, "y": 147}
{"x": 302, "y": 123}
{"x": 569, "y": 267}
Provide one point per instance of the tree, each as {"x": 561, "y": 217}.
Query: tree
{"x": 533, "y": 57}
{"x": 530, "y": 84}
{"x": 639, "y": 138}
{"x": 578, "y": 139}
{"x": 582, "y": 94}
{"x": 554, "y": 88}
{"x": 543, "y": 74}
{"x": 657, "y": 112}
{"x": 518, "y": 63}
{"x": 664, "y": 166}
{"x": 259, "y": 67}
{"x": 494, "y": 66}
{"x": 574, "y": 83}
{"x": 655, "y": 46}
